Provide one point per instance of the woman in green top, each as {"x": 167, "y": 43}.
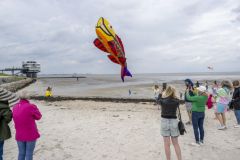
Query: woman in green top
{"x": 198, "y": 113}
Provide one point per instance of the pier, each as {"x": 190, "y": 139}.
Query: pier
{"x": 12, "y": 70}
{"x": 29, "y": 68}
{"x": 75, "y": 77}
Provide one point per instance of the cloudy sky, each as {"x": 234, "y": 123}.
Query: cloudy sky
{"x": 158, "y": 35}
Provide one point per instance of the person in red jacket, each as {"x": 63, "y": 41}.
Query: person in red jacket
{"x": 24, "y": 116}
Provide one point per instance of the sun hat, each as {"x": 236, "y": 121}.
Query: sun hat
{"x": 6, "y": 95}
{"x": 202, "y": 88}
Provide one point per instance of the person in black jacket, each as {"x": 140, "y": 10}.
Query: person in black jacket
{"x": 169, "y": 122}
{"x": 236, "y": 102}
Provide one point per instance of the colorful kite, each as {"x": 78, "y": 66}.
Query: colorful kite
{"x": 210, "y": 67}
{"x": 109, "y": 42}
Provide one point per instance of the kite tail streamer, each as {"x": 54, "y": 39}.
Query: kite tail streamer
{"x": 125, "y": 72}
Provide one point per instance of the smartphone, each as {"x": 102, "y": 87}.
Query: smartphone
{"x": 164, "y": 86}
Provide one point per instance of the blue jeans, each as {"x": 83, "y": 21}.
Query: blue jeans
{"x": 197, "y": 121}
{"x": 237, "y": 114}
{"x": 1, "y": 149}
{"x": 26, "y": 150}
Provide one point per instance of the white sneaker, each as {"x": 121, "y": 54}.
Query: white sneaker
{"x": 221, "y": 127}
{"x": 201, "y": 143}
{"x": 195, "y": 144}
{"x": 237, "y": 126}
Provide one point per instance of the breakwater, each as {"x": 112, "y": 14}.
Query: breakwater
{"x": 17, "y": 85}
{"x": 97, "y": 99}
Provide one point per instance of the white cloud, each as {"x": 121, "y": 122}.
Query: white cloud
{"x": 158, "y": 35}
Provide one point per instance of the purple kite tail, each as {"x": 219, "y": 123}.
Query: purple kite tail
{"x": 125, "y": 72}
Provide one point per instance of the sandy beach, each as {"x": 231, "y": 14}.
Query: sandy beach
{"x": 97, "y": 69}
{"x": 86, "y": 130}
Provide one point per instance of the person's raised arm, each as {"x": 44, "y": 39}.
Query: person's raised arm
{"x": 36, "y": 113}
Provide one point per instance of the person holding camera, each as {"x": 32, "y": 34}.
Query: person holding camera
{"x": 198, "y": 113}
{"x": 169, "y": 122}
{"x": 188, "y": 103}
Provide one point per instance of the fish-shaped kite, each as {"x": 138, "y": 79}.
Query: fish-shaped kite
{"x": 109, "y": 42}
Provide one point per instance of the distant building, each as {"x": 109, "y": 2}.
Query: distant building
{"x": 31, "y": 68}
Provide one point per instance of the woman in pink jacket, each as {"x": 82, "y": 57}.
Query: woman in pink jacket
{"x": 24, "y": 116}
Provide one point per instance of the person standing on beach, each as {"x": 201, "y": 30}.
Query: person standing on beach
{"x": 24, "y": 116}
{"x": 198, "y": 113}
{"x": 129, "y": 92}
{"x": 222, "y": 101}
{"x": 197, "y": 84}
{"x": 169, "y": 123}
{"x": 236, "y": 102}
{"x": 188, "y": 103}
{"x": 156, "y": 91}
{"x": 215, "y": 87}
{"x": 206, "y": 85}
{"x": 5, "y": 118}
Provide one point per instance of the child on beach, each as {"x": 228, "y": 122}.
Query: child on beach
{"x": 169, "y": 123}
{"x": 48, "y": 92}
{"x": 198, "y": 113}
{"x": 24, "y": 116}
{"x": 236, "y": 102}
{"x": 222, "y": 101}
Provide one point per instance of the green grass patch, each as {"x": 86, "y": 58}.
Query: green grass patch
{"x": 3, "y": 74}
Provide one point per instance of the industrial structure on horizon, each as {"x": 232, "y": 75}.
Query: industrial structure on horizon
{"x": 29, "y": 68}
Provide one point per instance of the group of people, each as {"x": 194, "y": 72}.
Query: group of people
{"x": 24, "y": 115}
{"x": 196, "y": 99}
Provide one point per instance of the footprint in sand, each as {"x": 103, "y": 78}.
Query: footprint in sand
{"x": 67, "y": 156}
{"x": 104, "y": 156}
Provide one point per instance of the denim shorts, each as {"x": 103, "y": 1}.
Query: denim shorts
{"x": 169, "y": 127}
{"x": 221, "y": 108}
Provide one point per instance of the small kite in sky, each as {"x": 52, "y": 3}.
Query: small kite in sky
{"x": 210, "y": 67}
{"x": 109, "y": 42}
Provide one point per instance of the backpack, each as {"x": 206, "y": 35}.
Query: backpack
{"x": 209, "y": 102}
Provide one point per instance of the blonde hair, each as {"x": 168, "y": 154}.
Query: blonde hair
{"x": 169, "y": 92}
